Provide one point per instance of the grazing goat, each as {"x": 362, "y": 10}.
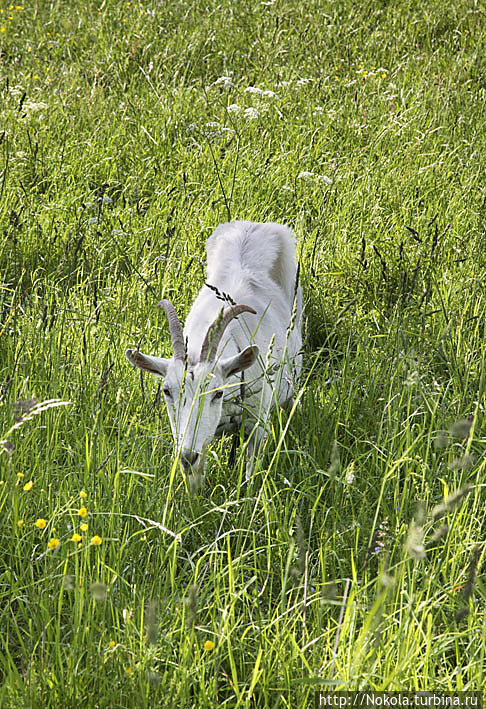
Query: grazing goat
{"x": 206, "y": 388}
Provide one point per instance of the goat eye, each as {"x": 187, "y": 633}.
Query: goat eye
{"x": 218, "y": 395}
{"x": 167, "y": 392}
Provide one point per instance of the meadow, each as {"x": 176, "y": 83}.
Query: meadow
{"x": 353, "y": 557}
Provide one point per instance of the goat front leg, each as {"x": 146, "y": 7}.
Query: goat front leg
{"x": 255, "y": 445}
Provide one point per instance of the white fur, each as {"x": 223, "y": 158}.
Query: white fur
{"x": 255, "y": 265}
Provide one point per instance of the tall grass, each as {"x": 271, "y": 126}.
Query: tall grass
{"x": 353, "y": 557}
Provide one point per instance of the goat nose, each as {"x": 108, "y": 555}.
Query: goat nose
{"x": 188, "y": 458}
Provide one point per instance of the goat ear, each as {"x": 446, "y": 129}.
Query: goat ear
{"x": 155, "y": 365}
{"x": 239, "y": 362}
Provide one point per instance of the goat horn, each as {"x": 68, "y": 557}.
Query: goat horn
{"x": 217, "y": 328}
{"x": 175, "y": 329}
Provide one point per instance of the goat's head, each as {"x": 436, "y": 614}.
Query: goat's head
{"x": 193, "y": 391}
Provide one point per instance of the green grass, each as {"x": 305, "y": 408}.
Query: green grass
{"x": 336, "y": 566}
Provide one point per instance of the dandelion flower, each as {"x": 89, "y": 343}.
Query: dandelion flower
{"x": 209, "y": 645}
{"x": 20, "y": 522}
{"x": 41, "y": 523}
{"x": 29, "y": 485}
{"x": 83, "y": 527}
{"x": 96, "y": 540}
{"x": 20, "y": 475}
{"x": 53, "y": 543}
{"x": 112, "y": 643}
{"x": 83, "y": 494}
{"x": 83, "y": 512}
{"x": 76, "y": 537}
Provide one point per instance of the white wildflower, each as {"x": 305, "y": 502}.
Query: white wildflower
{"x": 305, "y": 175}
{"x": 269, "y": 94}
{"x": 253, "y": 90}
{"x": 93, "y": 220}
{"x": 233, "y": 108}
{"x": 250, "y": 113}
{"x": 212, "y": 124}
{"x": 303, "y": 82}
{"x": 16, "y": 90}
{"x": 34, "y": 105}
{"x": 224, "y": 81}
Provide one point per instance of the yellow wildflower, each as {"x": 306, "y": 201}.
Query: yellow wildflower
{"x": 96, "y": 540}
{"x": 41, "y": 523}
{"x": 53, "y": 543}
{"x": 128, "y": 671}
{"x": 83, "y": 527}
{"x": 83, "y": 512}
{"x": 112, "y": 643}
{"x": 76, "y": 537}
{"x": 83, "y": 494}
{"x": 20, "y": 475}
{"x": 20, "y": 522}
{"x": 209, "y": 645}
{"x": 29, "y": 485}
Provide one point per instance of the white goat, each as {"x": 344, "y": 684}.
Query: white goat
{"x": 252, "y": 266}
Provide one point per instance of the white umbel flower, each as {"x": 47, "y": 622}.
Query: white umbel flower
{"x": 251, "y": 113}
